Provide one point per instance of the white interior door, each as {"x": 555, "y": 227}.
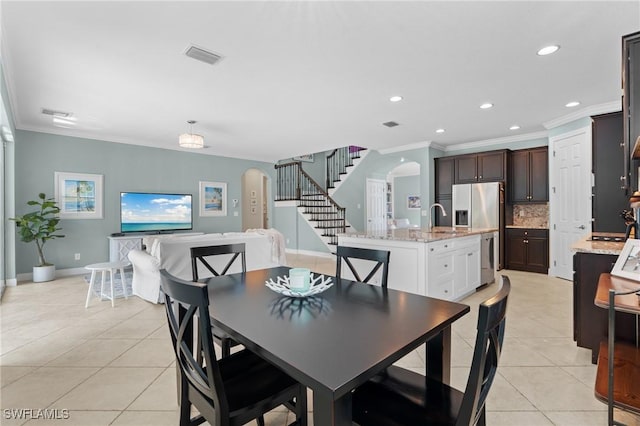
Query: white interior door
{"x": 376, "y": 205}
{"x": 570, "y": 197}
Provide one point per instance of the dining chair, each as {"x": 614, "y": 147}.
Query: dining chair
{"x": 203, "y": 255}
{"x": 402, "y": 397}
{"x": 380, "y": 257}
{"x": 229, "y": 391}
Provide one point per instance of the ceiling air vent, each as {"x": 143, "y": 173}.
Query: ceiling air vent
{"x": 390, "y": 124}
{"x": 202, "y": 55}
{"x": 55, "y": 113}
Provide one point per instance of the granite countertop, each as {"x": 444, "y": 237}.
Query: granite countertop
{"x": 585, "y": 245}
{"x": 423, "y": 235}
{"x": 526, "y": 227}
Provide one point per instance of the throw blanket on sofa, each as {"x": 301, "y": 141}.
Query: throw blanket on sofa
{"x": 278, "y": 254}
{"x": 173, "y": 254}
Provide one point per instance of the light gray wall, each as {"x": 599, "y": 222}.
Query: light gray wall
{"x": 375, "y": 165}
{"x": 125, "y": 168}
{"x": 403, "y": 186}
{"x": 7, "y": 266}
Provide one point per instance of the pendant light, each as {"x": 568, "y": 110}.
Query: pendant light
{"x": 191, "y": 140}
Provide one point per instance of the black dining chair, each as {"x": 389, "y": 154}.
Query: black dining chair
{"x": 230, "y": 391}
{"x": 203, "y": 255}
{"x": 402, "y": 397}
{"x": 379, "y": 258}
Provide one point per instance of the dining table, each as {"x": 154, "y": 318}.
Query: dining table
{"x": 334, "y": 341}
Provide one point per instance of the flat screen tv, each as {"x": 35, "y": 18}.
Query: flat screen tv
{"x": 155, "y": 212}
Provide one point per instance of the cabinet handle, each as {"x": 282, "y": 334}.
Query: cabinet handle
{"x": 526, "y": 241}
{"x": 475, "y": 177}
{"x": 623, "y": 178}
{"x": 526, "y": 232}
{"x": 446, "y": 291}
{"x": 480, "y": 177}
{"x": 445, "y": 265}
{"x": 431, "y": 248}
{"x": 469, "y": 254}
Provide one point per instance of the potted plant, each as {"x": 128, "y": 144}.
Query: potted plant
{"x": 40, "y": 226}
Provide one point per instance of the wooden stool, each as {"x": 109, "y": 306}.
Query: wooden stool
{"x": 104, "y": 268}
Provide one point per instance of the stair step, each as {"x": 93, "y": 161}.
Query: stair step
{"x": 319, "y": 194}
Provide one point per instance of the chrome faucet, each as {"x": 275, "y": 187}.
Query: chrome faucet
{"x": 431, "y": 213}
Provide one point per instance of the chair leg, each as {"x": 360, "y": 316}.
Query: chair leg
{"x": 226, "y": 347}
{"x": 482, "y": 421}
{"x": 301, "y": 407}
{"x": 91, "y": 283}
{"x": 185, "y": 404}
{"x": 260, "y": 421}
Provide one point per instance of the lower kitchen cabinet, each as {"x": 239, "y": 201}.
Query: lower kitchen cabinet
{"x": 527, "y": 249}
{"x": 589, "y": 321}
{"x": 453, "y": 267}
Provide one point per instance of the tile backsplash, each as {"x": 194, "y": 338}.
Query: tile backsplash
{"x": 531, "y": 215}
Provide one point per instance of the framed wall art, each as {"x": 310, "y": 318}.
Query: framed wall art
{"x": 213, "y": 199}
{"x": 413, "y": 202}
{"x": 628, "y": 262}
{"x": 79, "y": 195}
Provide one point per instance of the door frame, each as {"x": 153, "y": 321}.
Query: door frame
{"x": 383, "y": 206}
{"x": 554, "y": 207}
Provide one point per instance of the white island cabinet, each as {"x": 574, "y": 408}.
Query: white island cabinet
{"x": 441, "y": 264}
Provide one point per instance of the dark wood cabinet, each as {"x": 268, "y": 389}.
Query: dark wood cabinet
{"x": 630, "y": 107}
{"x": 589, "y": 321}
{"x": 444, "y": 176}
{"x": 527, "y": 249}
{"x": 609, "y": 194}
{"x": 444, "y": 183}
{"x": 488, "y": 166}
{"x": 529, "y": 176}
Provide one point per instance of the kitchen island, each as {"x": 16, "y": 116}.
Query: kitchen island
{"x": 592, "y": 258}
{"x": 441, "y": 262}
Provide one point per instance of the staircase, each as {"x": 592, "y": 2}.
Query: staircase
{"x": 316, "y": 206}
{"x": 340, "y": 163}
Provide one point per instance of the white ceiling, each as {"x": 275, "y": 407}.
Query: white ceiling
{"x": 303, "y": 77}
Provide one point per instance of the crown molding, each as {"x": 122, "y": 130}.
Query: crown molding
{"x": 605, "y": 108}
{"x": 425, "y": 144}
{"x": 497, "y": 141}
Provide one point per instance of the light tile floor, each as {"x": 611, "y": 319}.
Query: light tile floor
{"x": 115, "y": 366}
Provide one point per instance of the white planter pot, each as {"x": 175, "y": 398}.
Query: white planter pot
{"x": 44, "y": 273}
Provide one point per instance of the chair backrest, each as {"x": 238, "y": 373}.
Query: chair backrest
{"x": 380, "y": 257}
{"x": 201, "y": 253}
{"x": 187, "y": 308}
{"x": 491, "y": 326}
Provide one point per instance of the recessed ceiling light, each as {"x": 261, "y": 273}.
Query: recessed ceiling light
{"x": 440, "y": 131}
{"x": 486, "y": 105}
{"x": 572, "y": 104}
{"x": 395, "y": 98}
{"x": 548, "y": 50}
{"x": 514, "y": 127}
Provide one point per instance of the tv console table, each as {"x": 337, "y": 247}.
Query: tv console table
{"x": 119, "y": 247}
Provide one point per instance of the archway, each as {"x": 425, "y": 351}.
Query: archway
{"x": 255, "y": 199}
{"x": 403, "y": 195}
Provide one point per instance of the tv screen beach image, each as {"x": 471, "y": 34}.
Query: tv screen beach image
{"x": 143, "y": 212}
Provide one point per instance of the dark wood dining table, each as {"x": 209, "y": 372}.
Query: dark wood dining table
{"x": 334, "y": 341}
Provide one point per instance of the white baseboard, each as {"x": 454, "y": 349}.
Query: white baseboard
{"x": 60, "y": 273}
{"x": 311, "y": 253}
{"x": 10, "y": 282}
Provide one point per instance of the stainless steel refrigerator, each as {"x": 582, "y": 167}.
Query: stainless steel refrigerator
{"x": 481, "y": 206}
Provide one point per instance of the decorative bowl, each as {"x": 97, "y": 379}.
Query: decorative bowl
{"x": 319, "y": 283}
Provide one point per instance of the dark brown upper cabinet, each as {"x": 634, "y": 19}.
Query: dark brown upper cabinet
{"x": 488, "y": 166}
{"x": 630, "y": 108}
{"x": 609, "y": 192}
{"x": 444, "y": 176}
{"x": 529, "y": 176}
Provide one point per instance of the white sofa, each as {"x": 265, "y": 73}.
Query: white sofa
{"x": 172, "y": 252}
